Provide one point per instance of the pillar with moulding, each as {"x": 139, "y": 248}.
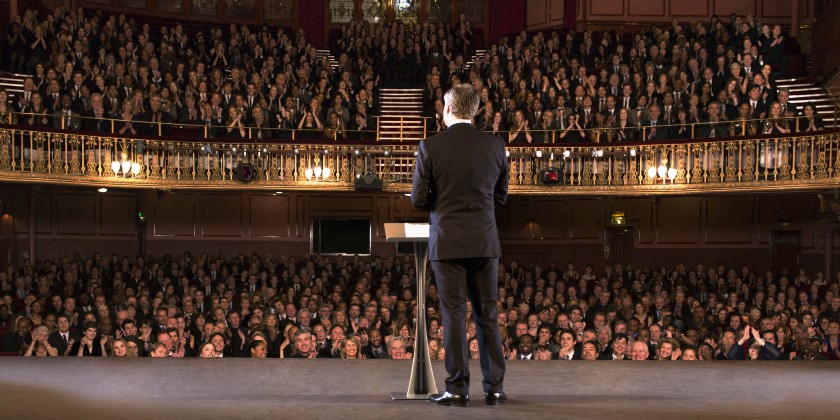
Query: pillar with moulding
{"x": 794, "y": 19}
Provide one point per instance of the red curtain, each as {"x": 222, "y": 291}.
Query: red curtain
{"x": 311, "y": 20}
{"x": 506, "y": 17}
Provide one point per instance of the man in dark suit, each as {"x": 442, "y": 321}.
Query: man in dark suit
{"x": 460, "y": 175}
{"x": 649, "y": 127}
{"x": 63, "y": 337}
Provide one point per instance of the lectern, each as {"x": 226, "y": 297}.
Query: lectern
{"x": 421, "y": 384}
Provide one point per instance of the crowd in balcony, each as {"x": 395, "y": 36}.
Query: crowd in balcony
{"x": 109, "y": 73}
{"x": 352, "y": 307}
{"x": 666, "y": 82}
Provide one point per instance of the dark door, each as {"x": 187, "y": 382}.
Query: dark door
{"x": 784, "y": 251}
{"x": 618, "y": 245}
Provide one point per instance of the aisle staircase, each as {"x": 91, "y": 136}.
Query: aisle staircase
{"x": 13, "y": 83}
{"x": 401, "y": 115}
{"x": 803, "y": 92}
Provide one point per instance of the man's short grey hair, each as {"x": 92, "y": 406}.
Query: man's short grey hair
{"x": 463, "y": 100}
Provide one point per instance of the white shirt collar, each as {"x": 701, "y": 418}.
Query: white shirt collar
{"x": 460, "y": 121}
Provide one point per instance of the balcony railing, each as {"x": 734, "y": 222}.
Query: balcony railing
{"x": 808, "y": 161}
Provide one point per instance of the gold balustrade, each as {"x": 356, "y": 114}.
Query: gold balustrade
{"x": 800, "y": 162}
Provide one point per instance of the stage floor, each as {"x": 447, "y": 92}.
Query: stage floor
{"x": 336, "y": 389}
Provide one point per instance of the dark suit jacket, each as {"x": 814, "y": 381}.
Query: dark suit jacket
{"x": 661, "y": 130}
{"x": 460, "y": 175}
{"x": 55, "y": 340}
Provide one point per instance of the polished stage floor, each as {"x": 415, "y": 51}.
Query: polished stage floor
{"x": 72, "y": 388}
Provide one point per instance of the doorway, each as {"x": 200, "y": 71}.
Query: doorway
{"x": 618, "y": 245}
{"x": 785, "y": 249}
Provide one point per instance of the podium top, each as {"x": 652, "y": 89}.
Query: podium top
{"x": 406, "y": 232}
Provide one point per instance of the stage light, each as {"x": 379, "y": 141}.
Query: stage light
{"x": 103, "y": 190}
{"x": 326, "y": 172}
{"x": 651, "y": 172}
{"x": 308, "y": 174}
{"x": 567, "y": 154}
{"x": 672, "y": 173}
{"x": 244, "y": 172}
{"x": 551, "y": 176}
{"x": 539, "y": 153}
{"x": 370, "y": 182}
{"x": 633, "y": 152}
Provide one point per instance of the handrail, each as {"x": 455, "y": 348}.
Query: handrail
{"x": 809, "y": 161}
{"x": 730, "y": 128}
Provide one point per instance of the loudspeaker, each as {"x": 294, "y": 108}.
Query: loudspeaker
{"x": 370, "y": 182}
{"x": 244, "y": 172}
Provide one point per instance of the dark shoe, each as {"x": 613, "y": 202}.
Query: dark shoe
{"x": 450, "y": 399}
{"x": 493, "y": 398}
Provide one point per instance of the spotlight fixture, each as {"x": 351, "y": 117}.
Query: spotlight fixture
{"x": 244, "y": 172}
{"x": 102, "y": 190}
{"x": 551, "y": 176}
{"x": 370, "y": 182}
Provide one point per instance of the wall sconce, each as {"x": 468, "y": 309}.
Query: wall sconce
{"x": 662, "y": 171}
{"x": 317, "y": 172}
{"x": 125, "y": 167}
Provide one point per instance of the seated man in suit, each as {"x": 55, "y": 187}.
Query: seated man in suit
{"x": 618, "y": 348}
{"x": 154, "y": 120}
{"x": 213, "y": 122}
{"x": 715, "y": 125}
{"x": 65, "y": 118}
{"x": 649, "y": 127}
{"x": 62, "y": 339}
{"x": 95, "y": 118}
{"x": 545, "y": 129}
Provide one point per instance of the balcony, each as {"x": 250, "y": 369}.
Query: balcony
{"x": 804, "y": 162}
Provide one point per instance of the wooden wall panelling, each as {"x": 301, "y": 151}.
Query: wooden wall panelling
{"x": 513, "y": 219}
{"x": 723, "y": 8}
{"x": 587, "y": 217}
{"x": 43, "y": 213}
{"x": 221, "y": 215}
{"x": 118, "y": 214}
{"x": 269, "y": 215}
{"x": 77, "y": 214}
{"x": 638, "y": 212}
{"x": 795, "y": 212}
{"x": 340, "y": 203}
{"x": 175, "y": 214}
{"x": 549, "y": 218}
{"x": 598, "y": 8}
{"x": 684, "y": 8}
{"x": 774, "y": 9}
{"x": 301, "y": 225}
{"x": 537, "y": 13}
{"x": 729, "y": 220}
{"x": 648, "y": 8}
{"x": 383, "y": 214}
{"x": 678, "y": 220}
{"x": 556, "y": 10}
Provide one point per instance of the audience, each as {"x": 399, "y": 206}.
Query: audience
{"x": 673, "y": 81}
{"x": 353, "y": 307}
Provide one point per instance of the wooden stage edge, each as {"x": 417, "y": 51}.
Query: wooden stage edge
{"x": 97, "y": 388}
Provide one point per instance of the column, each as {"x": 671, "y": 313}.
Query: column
{"x": 33, "y": 193}
{"x": 828, "y": 251}
{"x": 794, "y": 19}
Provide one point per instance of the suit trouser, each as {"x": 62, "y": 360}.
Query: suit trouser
{"x": 477, "y": 278}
